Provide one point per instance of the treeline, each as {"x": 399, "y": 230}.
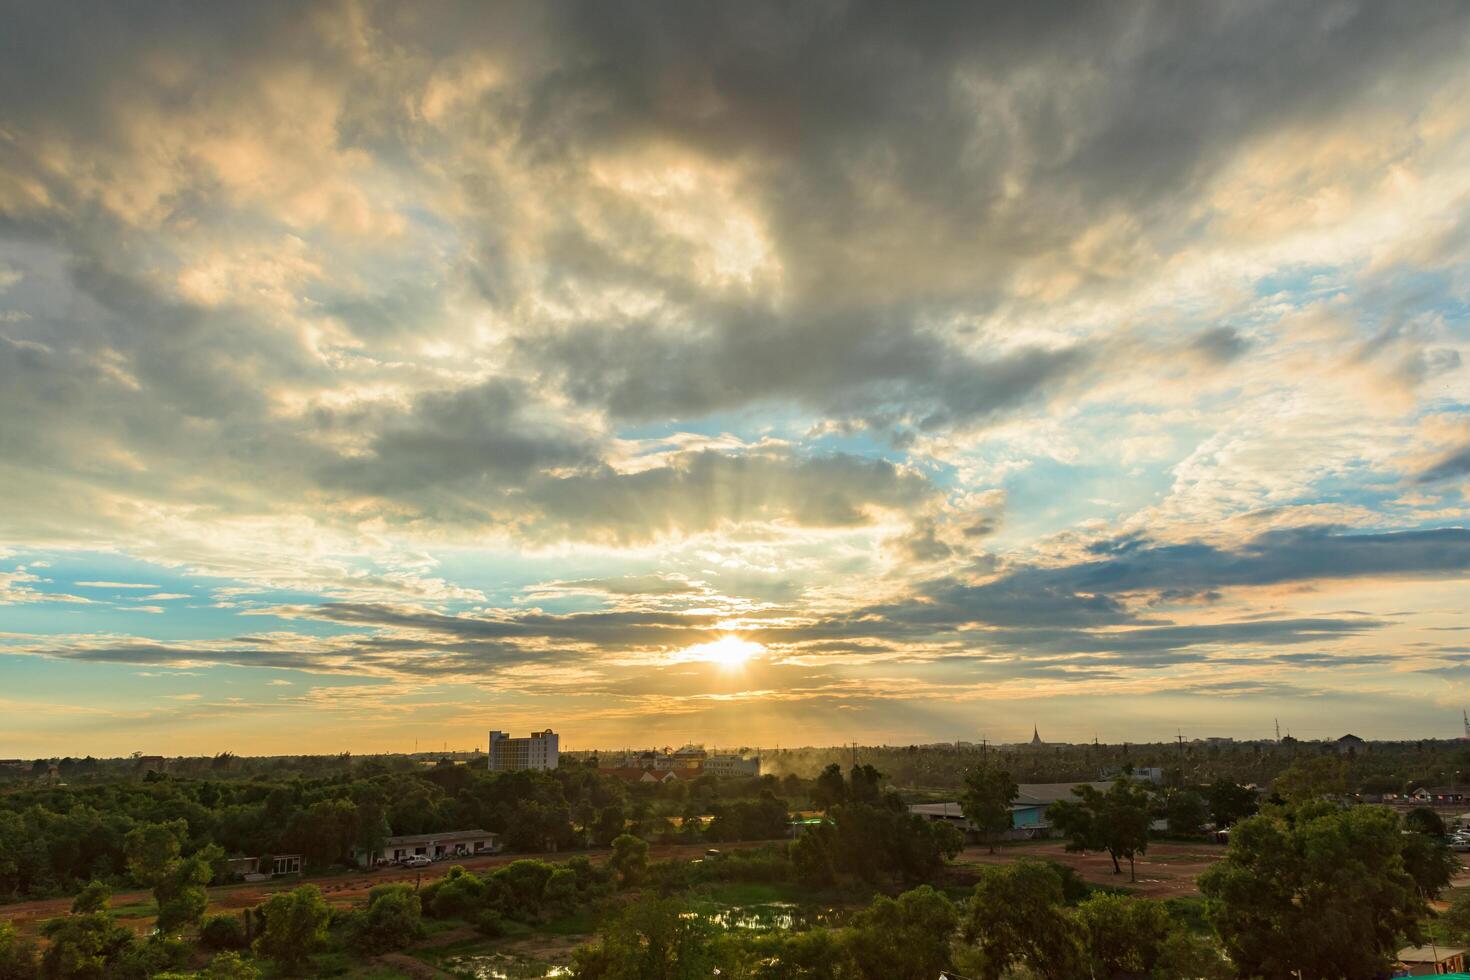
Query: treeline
{"x": 1385, "y": 767}
{"x": 54, "y": 840}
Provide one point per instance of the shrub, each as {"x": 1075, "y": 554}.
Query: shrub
{"x": 489, "y": 923}
{"x": 223, "y": 932}
{"x": 394, "y": 920}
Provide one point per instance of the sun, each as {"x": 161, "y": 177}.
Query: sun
{"x": 730, "y": 652}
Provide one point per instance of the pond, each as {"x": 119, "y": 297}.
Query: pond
{"x": 764, "y": 916}
{"x": 502, "y": 966}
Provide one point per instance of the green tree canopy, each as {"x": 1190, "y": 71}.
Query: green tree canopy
{"x": 1319, "y": 890}
{"x": 1230, "y": 802}
{"x": 906, "y": 938}
{"x": 651, "y": 940}
{"x": 1117, "y": 821}
{"x": 1016, "y": 918}
{"x": 629, "y": 859}
{"x": 295, "y": 927}
{"x": 986, "y": 802}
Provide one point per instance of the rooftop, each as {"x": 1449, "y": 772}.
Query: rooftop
{"x": 448, "y": 836}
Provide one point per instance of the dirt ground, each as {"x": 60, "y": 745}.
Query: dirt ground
{"x": 1169, "y": 870}
{"x": 343, "y": 888}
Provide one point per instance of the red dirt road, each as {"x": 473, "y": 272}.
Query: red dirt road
{"x": 1168, "y": 870}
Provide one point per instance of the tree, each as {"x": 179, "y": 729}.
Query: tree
{"x": 394, "y": 919}
{"x": 180, "y": 891}
{"x": 829, "y": 789}
{"x": 1185, "y": 811}
{"x": 1456, "y": 919}
{"x": 1230, "y": 802}
{"x": 222, "y": 932}
{"x": 326, "y": 831}
{"x": 1323, "y": 777}
{"x": 153, "y": 848}
{"x": 609, "y": 825}
{"x": 986, "y": 802}
{"x": 1423, "y": 820}
{"x": 903, "y": 939}
{"x": 1116, "y": 821}
{"x": 1431, "y": 864}
{"x": 650, "y": 940}
{"x": 230, "y": 966}
{"x": 1015, "y": 917}
{"x": 629, "y": 859}
{"x": 1319, "y": 890}
{"x": 17, "y": 955}
{"x": 92, "y": 898}
{"x": 1123, "y": 935}
{"x": 864, "y": 784}
{"x": 295, "y": 927}
{"x": 1184, "y": 954}
{"x": 83, "y": 946}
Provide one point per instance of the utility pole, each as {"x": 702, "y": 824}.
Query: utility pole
{"x": 1180, "y": 736}
{"x": 1278, "y": 731}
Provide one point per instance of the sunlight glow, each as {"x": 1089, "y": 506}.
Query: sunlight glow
{"x": 729, "y": 652}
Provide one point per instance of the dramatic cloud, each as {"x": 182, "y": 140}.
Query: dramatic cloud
{"x": 952, "y": 353}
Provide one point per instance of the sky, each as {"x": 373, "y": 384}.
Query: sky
{"x": 373, "y": 375}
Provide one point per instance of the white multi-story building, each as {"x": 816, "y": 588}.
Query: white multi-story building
{"x": 537, "y": 752}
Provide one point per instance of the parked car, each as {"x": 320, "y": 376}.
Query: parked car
{"x": 417, "y": 861}
{"x": 1461, "y": 844}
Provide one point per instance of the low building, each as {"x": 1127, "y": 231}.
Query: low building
{"x": 1435, "y": 795}
{"x": 285, "y": 864}
{"x": 634, "y": 774}
{"x": 733, "y": 765}
{"x": 1430, "y": 961}
{"x": 1028, "y": 810}
{"x": 435, "y": 847}
{"x": 1350, "y": 745}
{"x": 540, "y": 751}
{"x": 242, "y": 867}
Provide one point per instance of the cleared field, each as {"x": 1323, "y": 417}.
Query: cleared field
{"x": 1168, "y": 870}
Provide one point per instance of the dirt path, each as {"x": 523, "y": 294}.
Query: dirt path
{"x": 1168, "y": 870}
{"x": 342, "y": 888}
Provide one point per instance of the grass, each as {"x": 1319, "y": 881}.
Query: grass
{"x": 135, "y": 910}
{"x": 582, "y": 922}
{"x": 753, "y": 893}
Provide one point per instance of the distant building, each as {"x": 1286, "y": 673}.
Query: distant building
{"x": 1036, "y": 742}
{"x": 1438, "y": 794}
{"x": 507, "y": 754}
{"x": 1430, "y": 961}
{"x": 1351, "y": 745}
{"x": 733, "y": 765}
{"x": 450, "y": 844}
{"x": 649, "y": 775}
{"x": 150, "y": 763}
{"x": 1028, "y": 810}
{"x": 285, "y": 864}
{"x": 690, "y": 757}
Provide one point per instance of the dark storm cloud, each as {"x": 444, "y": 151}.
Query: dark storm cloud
{"x": 480, "y": 434}
{"x": 853, "y": 365}
{"x": 915, "y": 159}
